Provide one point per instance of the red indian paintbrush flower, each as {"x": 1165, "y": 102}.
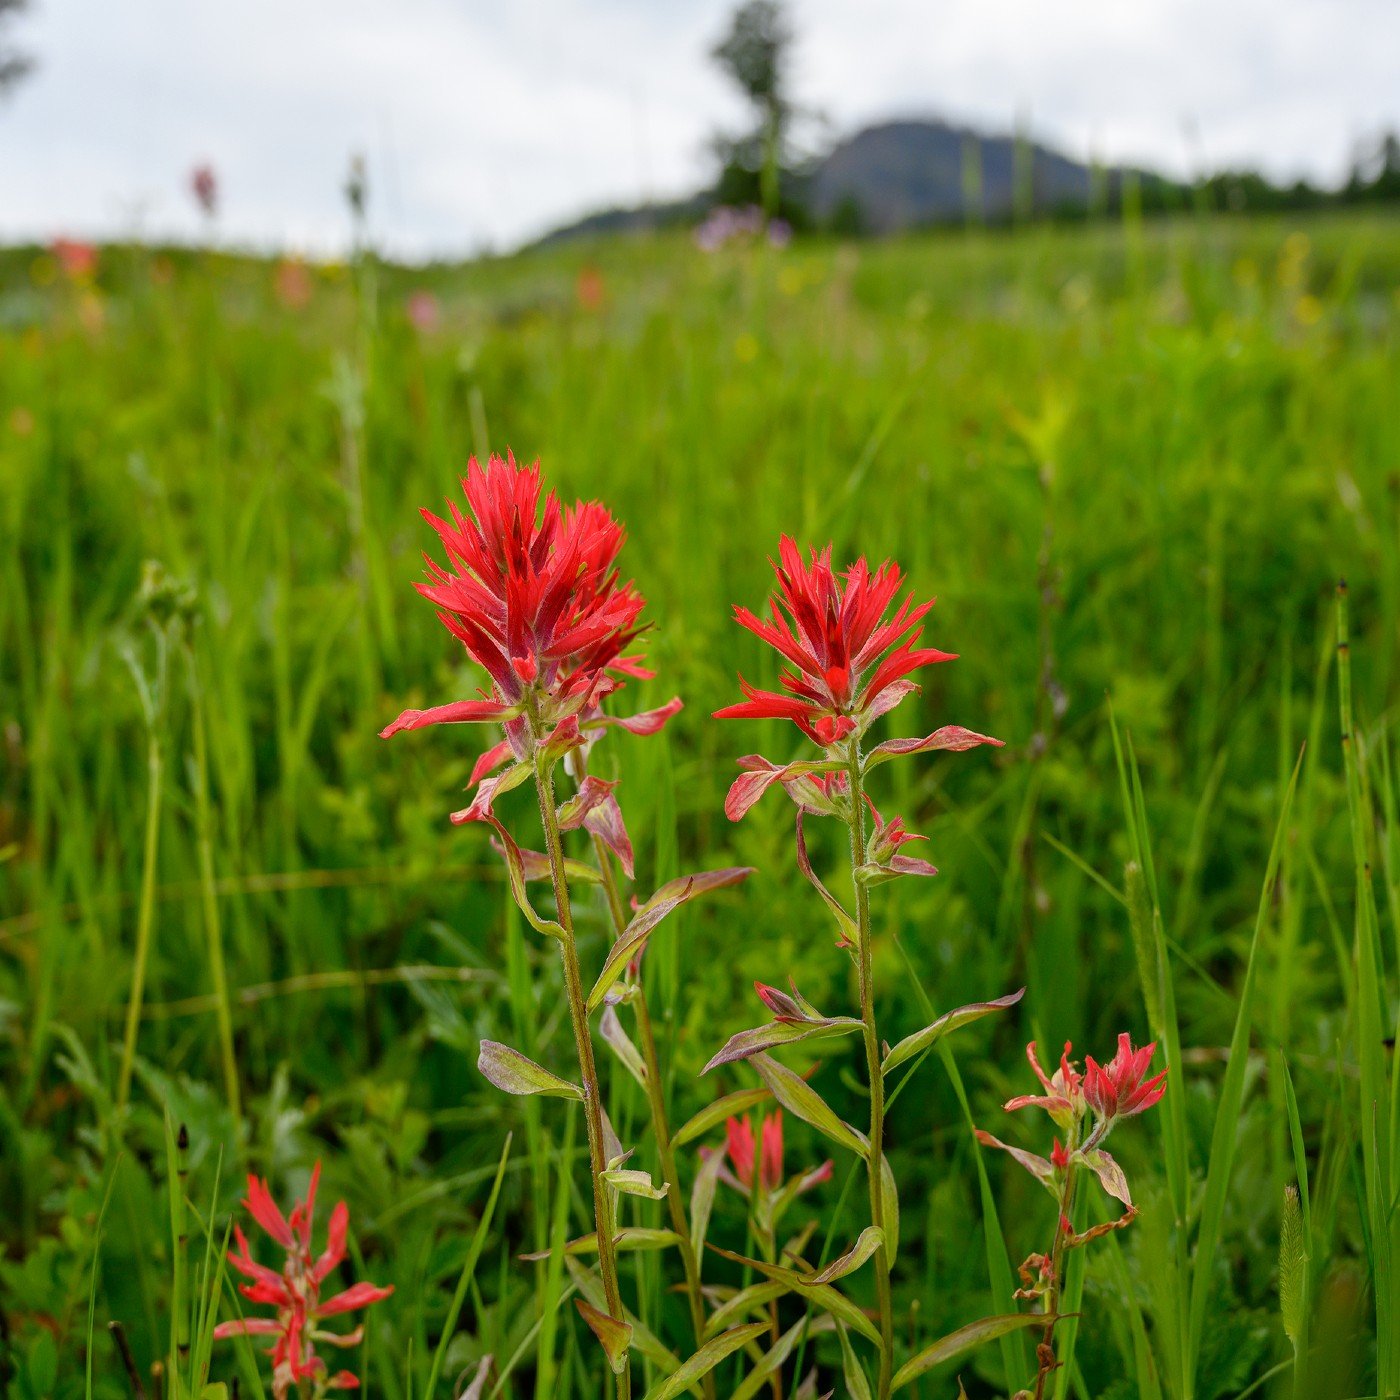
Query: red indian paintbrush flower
{"x": 296, "y": 1291}
{"x": 1117, "y": 1090}
{"x": 1063, "y": 1098}
{"x": 835, "y": 632}
{"x": 533, "y": 593}
{"x": 741, "y": 1146}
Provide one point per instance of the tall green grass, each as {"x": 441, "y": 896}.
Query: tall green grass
{"x": 1126, "y": 466}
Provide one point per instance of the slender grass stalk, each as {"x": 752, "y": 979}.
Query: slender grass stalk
{"x": 204, "y": 828}
{"x": 656, "y": 1101}
{"x": 875, "y": 1157}
{"x": 145, "y": 918}
{"x": 583, "y": 1043}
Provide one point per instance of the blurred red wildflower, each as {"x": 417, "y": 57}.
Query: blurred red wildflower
{"x": 295, "y": 1292}
{"x": 588, "y": 288}
{"x": 852, "y": 660}
{"x": 204, "y": 185}
{"x": 1117, "y": 1090}
{"x": 423, "y": 311}
{"x": 77, "y": 261}
{"x": 293, "y": 283}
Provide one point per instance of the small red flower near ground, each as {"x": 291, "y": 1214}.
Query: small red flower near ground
{"x": 1117, "y": 1090}
{"x": 296, "y": 1291}
{"x": 835, "y": 632}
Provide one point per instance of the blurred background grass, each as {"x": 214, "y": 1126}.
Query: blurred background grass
{"x": 1131, "y": 462}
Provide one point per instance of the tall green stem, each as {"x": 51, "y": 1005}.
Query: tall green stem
{"x": 583, "y": 1043}
{"x": 212, "y": 931}
{"x": 145, "y": 917}
{"x": 875, "y": 1159}
{"x": 660, "y": 1125}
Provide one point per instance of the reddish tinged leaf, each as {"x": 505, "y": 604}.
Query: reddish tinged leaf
{"x": 645, "y": 724}
{"x": 458, "y": 712}
{"x": 758, "y": 776}
{"x": 490, "y": 761}
{"x": 869, "y": 1240}
{"x": 700, "y": 883}
{"x": 534, "y": 865}
{"x": 746, "y": 1043}
{"x": 1109, "y": 1173}
{"x": 952, "y": 737}
{"x": 358, "y": 1295}
{"x": 605, "y": 821}
{"x": 515, "y": 869}
{"x": 592, "y": 791}
{"x": 490, "y": 789}
{"x": 510, "y": 1071}
{"x": 615, "y": 1336}
{"x": 1037, "y": 1166}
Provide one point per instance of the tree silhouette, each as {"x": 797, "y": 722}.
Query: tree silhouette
{"x": 755, "y": 54}
{"x": 14, "y": 65}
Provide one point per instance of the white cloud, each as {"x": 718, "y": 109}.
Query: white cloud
{"x": 488, "y": 123}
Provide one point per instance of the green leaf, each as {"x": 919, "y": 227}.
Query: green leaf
{"x": 1292, "y": 1263}
{"x": 822, "y": 1294}
{"x": 630, "y": 940}
{"x": 611, "y": 1029}
{"x": 631, "y": 1237}
{"x": 869, "y": 1240}
{"x": 964, "y": 1339}
{"x": 889, "y": 1200}
{"x": 745, "y": 1043}
{"x": 857, "y": 1382}
{"x": 705, "y": 1360}
{"x": 634, "y": 1183}
{"x": 1109, "y": 1173}
{"x": 802, "y": 1101}
{"x": 950, "y": 1021}
{"x": 468, "y": 1272}
{"x": 509, "y": 1070}
{"x": 715, "y": 1113}
{"x": 1221, "y": 1160}
{"x": 850, "y": 930}
{"x": 779, "y": 1352}
{"x": 515, "y": 871}
{"x": 702, "y": 1199}
{"x": 615, "y": 1336}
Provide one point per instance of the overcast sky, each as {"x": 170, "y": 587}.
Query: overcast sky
{"x": 487, "y": 123}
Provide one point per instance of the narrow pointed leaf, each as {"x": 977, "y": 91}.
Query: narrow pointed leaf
{"x": 964, "y": 1339}
{"x": 515, "y": 869}
{"x": 705, "y": 1360}
{"x": 702, "y": 1199}
{"x": 745, "y": 1043}
{"x": 615, "y": 1336}
{"x": 952, "y": 737}
{"x": 633, "y": 1238}
{"x": 869, "y": 1240}
{"x": 630, "y": 941}
{"x": 889, "y": 1198}
{"x": 779, "y": 1352}
{"x": 803, "y": 1101}
{"x": 1039, "y": 1167}
{"x": 850, "y": 932}
{"x": 509, "y": 1070}
{"x": 611, "y": 1029}
{"x": 950, "y": 1021}
{"x": 715, "y": 1113}
{"x": 857, "y": 1382}
{"x": 822, "y": 1294}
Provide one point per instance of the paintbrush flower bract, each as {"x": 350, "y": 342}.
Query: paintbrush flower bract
{"x": 295, "y": 1291}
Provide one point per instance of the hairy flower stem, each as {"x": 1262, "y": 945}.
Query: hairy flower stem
{"x": 588, "y": 1070}
{"x": 660, "y": 1126}
{"x": 1045, "y": 1352}
{"x": 144, "y": 919}
{"x": 875, "y": 1159}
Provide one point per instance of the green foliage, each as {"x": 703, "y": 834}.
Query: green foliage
{"x": 1130, "y": 462}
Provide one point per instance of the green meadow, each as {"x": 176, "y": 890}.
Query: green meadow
{"x": 1132, "y": 462}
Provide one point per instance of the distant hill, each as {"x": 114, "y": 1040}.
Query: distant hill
{"x": 885, "y": 178}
